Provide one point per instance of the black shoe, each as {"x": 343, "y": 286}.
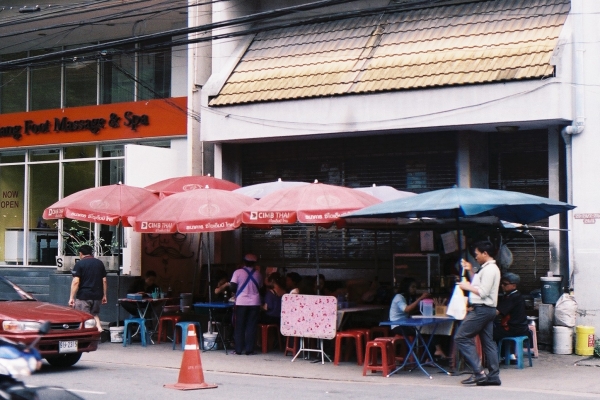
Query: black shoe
{"x": 250, "y": 353}
{"x": 489, "y": 382}
{"x": 474, "y": 379}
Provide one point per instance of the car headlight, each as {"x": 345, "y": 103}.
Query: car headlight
{"x": 90, "y": 323}
{"x": 21, "y": 326}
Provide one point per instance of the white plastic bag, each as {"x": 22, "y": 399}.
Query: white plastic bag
{"x": 565, "y": 311}
{"x": 457, "y": 307}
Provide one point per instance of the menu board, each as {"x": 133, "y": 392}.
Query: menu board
{"x": 308, "y": 316}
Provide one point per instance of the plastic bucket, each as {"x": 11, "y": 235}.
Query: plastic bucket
{"x": 585, "y": 340}
{"x": 210, "y": 341}
{"x": 563, "y": 340}
{"x": 116, "y": 334}
{"x": 551, "y": 286}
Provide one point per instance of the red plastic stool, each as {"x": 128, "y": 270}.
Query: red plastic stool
{"x": 400, "y": 348}
{"x": 358, "y": 337}
{"x": 165, "y": 320}
{"x": 293, "y": 347}
{"x": 264, "y": 330}
{"x": 388, "y": 359}
{"x": 378, "y": 331}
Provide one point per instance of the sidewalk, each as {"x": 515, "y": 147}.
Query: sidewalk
{"x": 573, "y": 375}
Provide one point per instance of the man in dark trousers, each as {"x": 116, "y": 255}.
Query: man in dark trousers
{"x": 483, "y": 299}
{"x": 247, "y": 282}
{"x": 512, "y": 318}
{"x": 88, "y": 288}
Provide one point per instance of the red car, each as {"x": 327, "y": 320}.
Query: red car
{"x": 71, "y": 333}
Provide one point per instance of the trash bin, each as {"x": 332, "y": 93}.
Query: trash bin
{"x": 585, "y": 340}
{"x": 551, "y": 289}
{"x": 563, "y": 340}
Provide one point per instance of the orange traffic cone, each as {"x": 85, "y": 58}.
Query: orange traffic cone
{"x": 190, "y": 374}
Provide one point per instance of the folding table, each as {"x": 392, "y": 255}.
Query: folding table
{"x": 418, "y": 324}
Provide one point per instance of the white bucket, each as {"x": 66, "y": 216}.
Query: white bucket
{"x": 210, "y": 341}
{"x": 116, "y": 334}
{"x": 563, "y": 340}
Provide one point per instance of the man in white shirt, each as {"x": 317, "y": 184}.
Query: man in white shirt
{"x": 483, "y": 299}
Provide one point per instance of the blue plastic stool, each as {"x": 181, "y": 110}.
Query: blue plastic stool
{"x": 184, "y": 331}
{"x": 142, "y": 328}
{"x": 519, "y": 341}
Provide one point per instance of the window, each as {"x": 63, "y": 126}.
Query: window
{"x": 45, "y": 87}
{"x": 154, "y": 75}
{"x": 124, "y": 75}
{"x": 81, "y": 87}
{"x": 118, "y": 72}
{"x": 13, "y": 87}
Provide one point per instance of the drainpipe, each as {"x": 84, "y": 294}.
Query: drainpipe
{"x": 576, "y": 127}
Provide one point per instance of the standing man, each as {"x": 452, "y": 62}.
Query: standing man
{"x": 88, "y": 289}
{"x": 483, "y": 298}
{"x": 246, "y": 283}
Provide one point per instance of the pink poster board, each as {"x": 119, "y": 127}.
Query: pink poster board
{"x": 308, "y": 316}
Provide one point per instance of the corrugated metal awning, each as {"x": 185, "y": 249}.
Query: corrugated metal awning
{"x": 470, "y": 43}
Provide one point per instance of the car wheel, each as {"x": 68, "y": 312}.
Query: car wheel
{"x": 64, "y": 360}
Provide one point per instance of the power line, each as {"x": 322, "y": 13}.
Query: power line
{"x": 252, "y": 18}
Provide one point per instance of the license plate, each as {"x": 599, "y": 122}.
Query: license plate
{"x": 68, "y": 346}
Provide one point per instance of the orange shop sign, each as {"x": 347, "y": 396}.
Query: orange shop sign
{"x": 119, "y": 121}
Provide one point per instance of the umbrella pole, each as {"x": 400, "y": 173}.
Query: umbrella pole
{"x": 282, "y": 249}
{"x": 317, "y": 256}
{"x": 198, "y": 265}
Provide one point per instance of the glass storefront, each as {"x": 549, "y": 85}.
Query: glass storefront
{"x": 32, "y": 180}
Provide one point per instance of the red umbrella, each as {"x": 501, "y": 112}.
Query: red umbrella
{"x": 106, "y": 205}
{"x": 315, "y": 203}
{"x": 201, "y": 210}
{"x": 187, "y": 183}
{"x": 196, "y": 211}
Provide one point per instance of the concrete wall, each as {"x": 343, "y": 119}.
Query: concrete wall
{"x": 586, "y": 163}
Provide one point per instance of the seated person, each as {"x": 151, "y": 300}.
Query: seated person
{"x": 321, "y": 289}
{"x": 144, "y": 286}
{"x": 512, "y": 318}
{"x": 406, "y": 303}
{"x": 271, "y": 307}
{"x": 222, "y": 290}
{"x": 292, "y": 281}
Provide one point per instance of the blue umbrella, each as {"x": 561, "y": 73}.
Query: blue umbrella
{"x": 467, "y": 202}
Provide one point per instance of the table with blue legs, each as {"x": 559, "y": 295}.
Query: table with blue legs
{"x": 224, "y": 306}
{"x": 148, "y": 309}
{"x": 418, "y": 324}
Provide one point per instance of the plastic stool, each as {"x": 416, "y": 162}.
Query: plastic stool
{"x": 294, "y": 346}
{"x": 519, "y": 340}
{"x": 358, "y": 339}
{"x": 184, "y": 330}
{"x": 264, "y": 335}
{"x": 379, "y": 331}
{"x": 400, "y": 348}
{"x": 388, "y": 359}
{"x": 142, "y": 327}
{"x": 165, "y": 320}
{"x": 533, "y": 337}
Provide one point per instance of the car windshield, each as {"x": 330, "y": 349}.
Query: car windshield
{"x": 11, "y": 292}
